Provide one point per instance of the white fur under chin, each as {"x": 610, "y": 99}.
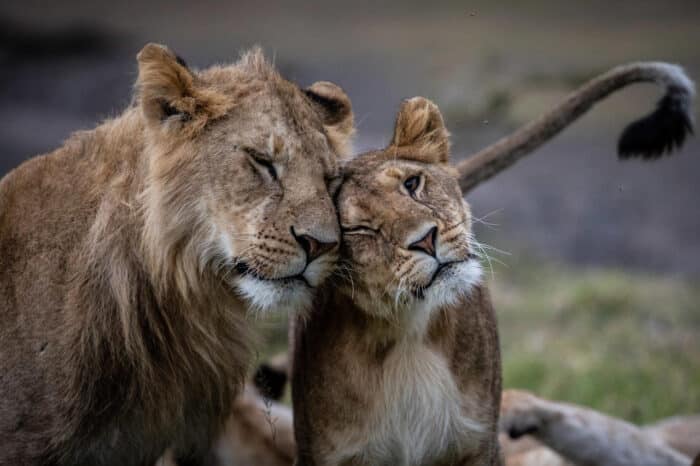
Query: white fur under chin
{"x": 284, "y": 295}
{"x": 280, "y": 296}
{"x": 447, "y": 290}
{"x": 265, "y": 296}
{"x": 453, "y": 285}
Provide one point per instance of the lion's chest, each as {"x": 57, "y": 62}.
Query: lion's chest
{"x": 418, "y": 416}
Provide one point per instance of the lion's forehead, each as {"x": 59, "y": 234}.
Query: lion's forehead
{"x": 306, "y": 148}
{"x": 368, "y": 171}
{"x": 267, "y": 108}
{"x": 311, "y": 149}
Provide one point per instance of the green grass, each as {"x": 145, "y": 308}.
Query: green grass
{"x": 625, "y": 344}
{"x": 622, "y": 343}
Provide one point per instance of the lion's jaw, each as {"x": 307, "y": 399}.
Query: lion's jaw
{"x": 292, "y": 292}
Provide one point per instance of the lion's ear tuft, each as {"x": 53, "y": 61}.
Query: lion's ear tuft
{"x": 165, "y": 84}
{"x": 335, "y": 110}
{"x": 169, "y": 91}
{"x": 420, "y": 127}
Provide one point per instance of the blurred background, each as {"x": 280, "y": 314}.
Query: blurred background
{"x": 595, "y": 264}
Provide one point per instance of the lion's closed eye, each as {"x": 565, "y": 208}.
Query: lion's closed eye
{"x": 357, "y": 230}
{"x": 262, "y": 161}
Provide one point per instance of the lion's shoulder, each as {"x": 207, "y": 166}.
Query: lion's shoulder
{"x": 52, "y": 195}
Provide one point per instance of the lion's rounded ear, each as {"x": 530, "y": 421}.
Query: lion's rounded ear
{"x": 168, "y": 91}
{"x": 335, "y": 109}
{"x": 165, "y": 84}
{"x": 420, "y": 127}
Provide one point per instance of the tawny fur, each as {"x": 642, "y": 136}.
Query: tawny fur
{"x": 258, "y": 433}
{"x": 539, "y": 456}
{"x": 122, "y": 312}
{"x": 582, "y": 436}
{"x": 398, "y": 363}
{"x": 680, "y": 432}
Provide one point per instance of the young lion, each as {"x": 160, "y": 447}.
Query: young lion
{"x": 650, "y": 137}
{"x": 400, "y": 363}
{"x": 129, "y": 256}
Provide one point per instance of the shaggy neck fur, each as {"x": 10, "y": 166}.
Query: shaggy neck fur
{"x": 161, "y": 325}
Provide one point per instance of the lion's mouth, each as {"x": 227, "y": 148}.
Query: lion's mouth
{"x": 245, "y": 270}
{"x": 440, "y": 272}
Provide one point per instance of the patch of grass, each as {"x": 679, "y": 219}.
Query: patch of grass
{"x": 625, "y": 344}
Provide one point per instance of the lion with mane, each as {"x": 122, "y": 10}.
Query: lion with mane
{"x": 129, "y": 257}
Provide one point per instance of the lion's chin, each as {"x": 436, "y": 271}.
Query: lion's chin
{"x": 274, "y": 295}
{"x": 450, "y": 285}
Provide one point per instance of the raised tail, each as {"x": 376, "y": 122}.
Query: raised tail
{"x": 650, "y": 137}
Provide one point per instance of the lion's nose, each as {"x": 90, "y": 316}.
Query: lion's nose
{"x": 426, "y": 244}
{"x": 313, "y": 247}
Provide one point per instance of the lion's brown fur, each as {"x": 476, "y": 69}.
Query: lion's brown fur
{"x": 121, "y": 333}
{"x": 377, "y": 378}
{"x": 579, "y": 435}
{"x": 259, "y": 432}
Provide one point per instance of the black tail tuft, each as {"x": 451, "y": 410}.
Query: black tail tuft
{"x": 660, "y": 132}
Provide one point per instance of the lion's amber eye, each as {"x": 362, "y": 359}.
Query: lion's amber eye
{"x": 411, "y": 184}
